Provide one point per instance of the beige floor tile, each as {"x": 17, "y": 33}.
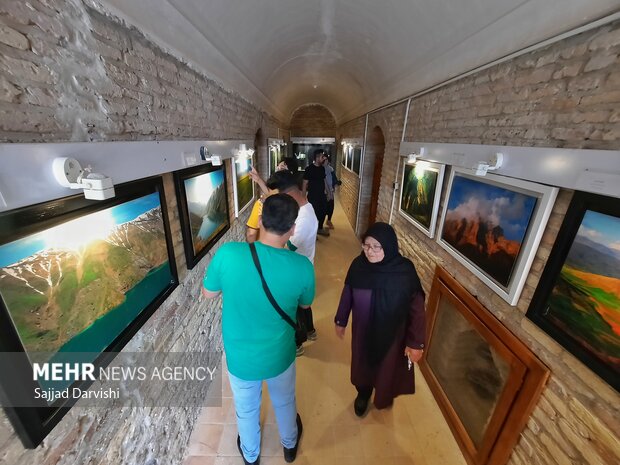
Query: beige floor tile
{"x": 198, "y": 460}
{"x": 270, "y": 441}
{"x": 317, "y": 440}
{"x": 378, "y": 441}
{"x": 228, "y": 442}
{"x": 348, "y": 441}
{"x": 226, "y": 460}
{"x": 205, "y": 440}
{"x": 223, "y": 414}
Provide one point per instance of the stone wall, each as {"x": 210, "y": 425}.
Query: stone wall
{"x": 565, "y": 95}
{"x": 312, "y": 121}
{"x": 69, "y": 73}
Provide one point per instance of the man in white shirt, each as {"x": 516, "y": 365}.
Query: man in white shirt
{"x": 303, "y": 241}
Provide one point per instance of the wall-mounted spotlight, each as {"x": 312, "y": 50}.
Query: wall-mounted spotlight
{"x": 69, "y": 173}
{"x": 494, "y": 163}
{"x": 413, "y": 157}
{"x": 205, "y": 155}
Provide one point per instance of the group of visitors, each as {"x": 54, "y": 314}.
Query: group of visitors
{"x": 268, "y": 287}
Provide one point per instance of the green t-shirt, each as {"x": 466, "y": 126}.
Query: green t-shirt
{"x": 258, "y": 343}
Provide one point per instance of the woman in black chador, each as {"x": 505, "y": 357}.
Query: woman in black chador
{"x": 383, "y": 291}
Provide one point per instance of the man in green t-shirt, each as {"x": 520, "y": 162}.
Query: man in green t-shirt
{"x": 259, "y": 344}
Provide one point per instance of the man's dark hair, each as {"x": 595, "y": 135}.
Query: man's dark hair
{"x": 316, "y": 153}
{"x": 282, "y": 180}
{"x": 291, "y": 164}
{"x": 279, "y": 213}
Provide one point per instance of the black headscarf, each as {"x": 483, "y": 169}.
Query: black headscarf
{"x": 393, "y": 281}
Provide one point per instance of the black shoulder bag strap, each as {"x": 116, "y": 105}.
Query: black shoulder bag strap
{"x": 282, "y": 313}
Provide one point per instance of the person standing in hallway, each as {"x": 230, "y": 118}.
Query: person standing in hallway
{"x": 258, "y": 342}
{"x": 332, "y": 181}
{"x": 303, "y": 241}
{"x": 315, "y": 185}
{"x": 383, "y": 291}
{"x": 252, "y": 227}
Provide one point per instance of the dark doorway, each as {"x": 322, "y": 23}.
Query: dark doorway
{"x": 376, "y": 146}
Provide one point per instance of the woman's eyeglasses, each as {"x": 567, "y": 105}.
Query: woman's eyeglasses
{"x": 374, "y": 248}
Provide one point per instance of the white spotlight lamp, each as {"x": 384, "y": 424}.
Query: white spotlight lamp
{"x": 205, "y": 155}
{"x": 494, "y": 163}
{"x": 69, "y": 173}
{"x": 413, "y": 157}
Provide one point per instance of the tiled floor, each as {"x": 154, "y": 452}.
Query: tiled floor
{"x": 412, "y": 432}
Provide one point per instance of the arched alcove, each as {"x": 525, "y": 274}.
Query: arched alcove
{"x": 371, "y": 179}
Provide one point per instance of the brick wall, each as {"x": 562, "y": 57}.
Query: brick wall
{"x": 565, "y": 95}
{"x": 312, "y": 121}
{"x": 348, "y": 192}
{"x": 68, "y": 73}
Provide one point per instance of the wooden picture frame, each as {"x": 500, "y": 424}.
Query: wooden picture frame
{"x": 420, "y": 194}
{"x": 493, "y": 225}
{"x": 203, "y": 208}
{"x": 486, "y": 381}
{"x": 577, "y": 301}
{"x": 113, "y": 258}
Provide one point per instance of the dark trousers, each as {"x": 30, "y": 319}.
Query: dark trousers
{"x": 308, "y": 323}
{"x": 330, "y": 209}
{"x": 319, "y": 204}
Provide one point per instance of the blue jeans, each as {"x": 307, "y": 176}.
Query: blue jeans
{"x": 247, "y": 397}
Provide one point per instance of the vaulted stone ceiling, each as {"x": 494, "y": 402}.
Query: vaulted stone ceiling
{"x": 351, "y": 56}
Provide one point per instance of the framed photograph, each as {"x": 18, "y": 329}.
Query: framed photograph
{"x": 493, "y": 224}
{"x": 275, "y": 156}
{"x": 420, "y": 194}
{"x": 485, "y": 380}
{"x": 203, "y": 209}
{"x": 243, "y": 186}
{"x": 356, "y": 160}
{"x": 347, "y": 159}
{"x": 577, "y": 301}
{"x": 78, "y": 278}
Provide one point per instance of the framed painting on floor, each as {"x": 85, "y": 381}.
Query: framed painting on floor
{"x": 577, "y": 301}
{"x": 493, "y": 225}
{"x": 203, "y": 209}
{"x": 420, "y": 194}
{"x": 78, "y": 278}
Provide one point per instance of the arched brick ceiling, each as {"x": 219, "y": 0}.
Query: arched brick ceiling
{"x": 351, "y": 56}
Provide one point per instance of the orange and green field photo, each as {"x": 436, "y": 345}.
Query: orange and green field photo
{"x": 585, "y": 301}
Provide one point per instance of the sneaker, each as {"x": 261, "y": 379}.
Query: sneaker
{"x": 323, "y": 232}
{"x": 329, "y": 224}
{"x": 299, "y": 351}
{"x": 312, "y": 335}
{"x": 291, "y": 454}
{"x": 360, "y": 405}
{"x": 256, "y": 462}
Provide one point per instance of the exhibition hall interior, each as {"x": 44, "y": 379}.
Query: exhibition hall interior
{"x": 136, "y": 138}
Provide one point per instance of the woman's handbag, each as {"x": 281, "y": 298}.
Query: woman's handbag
{"x": 301, "y": 334}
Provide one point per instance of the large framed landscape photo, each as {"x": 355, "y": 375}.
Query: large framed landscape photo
{"x": 493, "y": 225}
{"x": 420, "y": 194}
{"x": 577, "y": 301}
{"x": 78, "y": 278}
{"x": 243, "y": 186}
{"x": 203, "y": 208}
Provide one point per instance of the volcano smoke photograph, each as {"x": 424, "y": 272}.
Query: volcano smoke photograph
{"x": 487, "y": 224}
